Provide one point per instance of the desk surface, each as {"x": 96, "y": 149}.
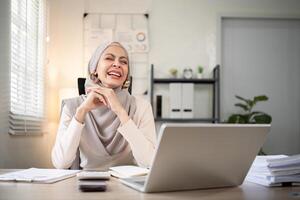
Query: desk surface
{"x": 68, "y": 189}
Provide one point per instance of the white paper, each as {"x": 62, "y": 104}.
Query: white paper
{"x": 38, "y": 175}
{"x": 261, "y": 173}
{"x": 128, "y": 171}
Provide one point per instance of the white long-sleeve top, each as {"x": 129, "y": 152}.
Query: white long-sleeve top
{"x": 139, "y": 131}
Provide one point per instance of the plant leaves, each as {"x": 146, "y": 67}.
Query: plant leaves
{"x": 245, "y": 107}
{"x": 252, "y": 114}
{"x": 260, "y": 98}
{"x": 241, "y": 98}
{"x": 256, "y": 117}
{"x": 237, "y": 119}
{"x": 249, "y": 102}
{"x": 262, "y": 118}
{"x": 233, "y": 119}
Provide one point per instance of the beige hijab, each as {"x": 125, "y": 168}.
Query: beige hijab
{"x": 102, "y": 122}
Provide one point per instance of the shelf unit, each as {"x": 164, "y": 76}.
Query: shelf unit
{"x": 215, "y": 81}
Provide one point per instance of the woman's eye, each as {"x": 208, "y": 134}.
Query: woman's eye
{"x": 124, "y": 62}
{"x": 108, "y": 58}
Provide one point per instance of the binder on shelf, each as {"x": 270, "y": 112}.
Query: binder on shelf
{"x": 187, "y": 100}
{"x": 165, "y": 106}
{"x": 175, "y": 100}
{"x": 170, "y": 108}
{"x": 181, "y": 100}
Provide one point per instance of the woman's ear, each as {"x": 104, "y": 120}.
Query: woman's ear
{"x": 94, "y": 77}
{"x": 126, "y": 84}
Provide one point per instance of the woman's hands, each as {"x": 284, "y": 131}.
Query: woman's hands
{"x": 99, "y": 96}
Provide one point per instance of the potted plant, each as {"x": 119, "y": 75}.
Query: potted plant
{"x": 249, "y": 116}
{"x": 173, "y": 71}
{"x": 199, "y": 71}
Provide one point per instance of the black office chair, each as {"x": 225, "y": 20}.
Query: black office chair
{"x": 81, "y": 82}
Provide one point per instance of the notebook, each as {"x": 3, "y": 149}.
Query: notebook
{"x": 38, "y": 175}
{"x": 128, "y": 171}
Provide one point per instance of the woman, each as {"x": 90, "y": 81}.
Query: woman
{"x": 108, "y": 125}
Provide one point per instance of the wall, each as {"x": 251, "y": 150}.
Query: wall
{"x": 176, "y": 27}
{"x": 186, "y": 33}
{"x": 16, "y": 151}
{"x": 4, "y": 70}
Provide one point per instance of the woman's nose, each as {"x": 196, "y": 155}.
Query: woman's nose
{"x": 116, "y": 64}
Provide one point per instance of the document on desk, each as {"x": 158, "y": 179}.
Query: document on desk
{"x": 275, "y": 170}
{"x": 37, "y": 175}
{"x": 128, "y": 171}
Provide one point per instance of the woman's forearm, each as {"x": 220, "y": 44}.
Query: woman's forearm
{"x": 67, "y": 140}
{"x": 123, "y": 116}
{"x": 80, "y": 114}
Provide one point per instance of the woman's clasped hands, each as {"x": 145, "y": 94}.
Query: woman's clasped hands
{"x": 101, "y": 96}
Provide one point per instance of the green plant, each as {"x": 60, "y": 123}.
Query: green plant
{"x": 249, "y": 116}
{"x": 173, "y": 72}
{"x": 200, "y": 69}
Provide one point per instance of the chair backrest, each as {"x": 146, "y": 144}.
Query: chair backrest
{"x": 81, "y": 82}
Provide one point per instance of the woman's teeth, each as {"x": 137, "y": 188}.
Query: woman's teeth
{"x": 114, "y": 74}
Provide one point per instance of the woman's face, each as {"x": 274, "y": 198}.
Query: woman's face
{"x": 112, "y": 67}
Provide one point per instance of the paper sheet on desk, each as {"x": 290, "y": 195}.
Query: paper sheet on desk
{"x": 286, "y": 171}
{"x": 128, "y": 171}
{"x": 38, "y": 175}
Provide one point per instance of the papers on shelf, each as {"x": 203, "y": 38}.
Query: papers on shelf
{"x": 275, "y": 170}
{"x": 38, "y": 175}
{"x": 128, "y": 171}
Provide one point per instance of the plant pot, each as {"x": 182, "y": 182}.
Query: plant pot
{"x": 173, "y": 75}
{"x": 199, "y": 76}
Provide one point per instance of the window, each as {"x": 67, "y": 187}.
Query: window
{"x": 27, "y": 67}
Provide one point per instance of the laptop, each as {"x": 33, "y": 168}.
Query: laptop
{"x": 200, "y": 156}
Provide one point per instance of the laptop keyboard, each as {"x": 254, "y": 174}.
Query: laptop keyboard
{"x": 139, "y": 182}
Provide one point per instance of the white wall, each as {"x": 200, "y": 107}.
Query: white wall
{"x": 182, "y": 33}
{"x": 16, "y": 151}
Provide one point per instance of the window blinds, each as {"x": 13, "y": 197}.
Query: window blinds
{"x": 27, "y": 69}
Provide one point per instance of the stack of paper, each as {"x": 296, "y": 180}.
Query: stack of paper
{"x": 38, "y": 175}
{"x": 128, "y": 171}
{"x": 275, "y": 170}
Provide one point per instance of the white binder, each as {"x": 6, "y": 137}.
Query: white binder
{"x": 165, "y": 106}
{"x": 187, "y": 100}
{"x": 175, "y": 100}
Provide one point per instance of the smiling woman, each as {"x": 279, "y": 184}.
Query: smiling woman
{"x": 109, "y": 65}
{"x": 108, "y": 125}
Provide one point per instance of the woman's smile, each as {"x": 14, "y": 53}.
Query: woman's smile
{"x": 115, "y": 74}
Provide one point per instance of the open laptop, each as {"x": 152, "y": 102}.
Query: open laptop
{"x": 198, "y": 156}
